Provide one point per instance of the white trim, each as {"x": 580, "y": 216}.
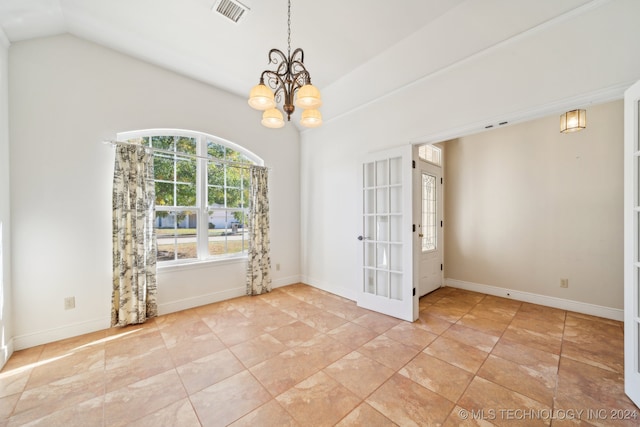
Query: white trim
{"x": 557, "y": 20}
{"x": 347, "y": 293}
{"x": 200, "y": 300}
{"x": 198, "y": 264}
{"x": 6, "y": 351}
{"x": 4, "y": 40}
{"x": 286, "y": 281}
{"x": 600, "y": 96}
{"x": 561, "y": 303}
{"x": 21, "y": 342}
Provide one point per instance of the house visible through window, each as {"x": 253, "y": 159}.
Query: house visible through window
{"x": 202, "y": 188}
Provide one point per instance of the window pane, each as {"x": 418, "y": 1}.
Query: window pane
{"x": 164, "y": 194}
{"x": 215, "y": 197}
{"x": 163, "y": 142}
{"x": 234, "y": 176}
{"x": 163, "y": 167}
{"x": 215, "y": 150}
{"x": 186, "y": 145}
{"x": 215, "y": 174}
{"x": 186, "y": 195}
{"x": 176, "y": 235}
{"x": 227, "y": 232}
{"x": 429, "y": 228}
{"x": 186, "y": 171}
{"x": 234, "y": 198}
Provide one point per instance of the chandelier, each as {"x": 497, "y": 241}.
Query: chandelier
{"x": 290, "y": 82}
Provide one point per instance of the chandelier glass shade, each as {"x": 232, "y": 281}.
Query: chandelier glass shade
{"x": 290, "y": 83}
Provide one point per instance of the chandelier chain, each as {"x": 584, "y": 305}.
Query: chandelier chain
{"x": 289, "y": 29}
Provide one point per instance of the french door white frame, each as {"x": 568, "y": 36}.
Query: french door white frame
{"x": 632, "y": 243}
{"x": 386, "y": 272}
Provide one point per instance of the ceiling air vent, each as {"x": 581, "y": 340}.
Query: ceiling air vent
{"x": 231, "y": 9}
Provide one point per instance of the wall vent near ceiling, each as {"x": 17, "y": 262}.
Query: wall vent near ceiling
{"x": 231, "y": 9}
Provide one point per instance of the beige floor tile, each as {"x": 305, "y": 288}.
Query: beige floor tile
{"x": 538, "y": 360}
{"x": 352, "y": 335}
{"x": 365, "y": 415}
{"x": 499, "y": 404}
{"x": 66, "y": 365}
{"x": 407, "y": 403}
{"x": 88, "y": 413}
{"x": 389, "y": 352}
{"x": 209, "y": 370}
{"x": 229, "y": 400}
{"x": 377, "y": 322}
{"x": 268, "y": 415}
{"x": 180, "y": 413}
{"x": 480, "y": 340}
{"x": 533, "y": 339}
{"x": 461, "y": 417}
{"x": 456, "y": 353}
{"x": 526, "y": 381}
{"x": 318, "y": 401}
{"x": 431, "y": 323}
{"x": 258, "y": 350}
{"x": 295, "y": 333}
{"x": 483, "y": 324}
{"x": 360, "y": 374}
{"x": 447, "y": 380}
{"x": 411, "y": 335}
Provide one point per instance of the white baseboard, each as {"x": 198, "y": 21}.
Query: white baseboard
{"x": 336, "y": 290}
{"x": 561, "y": 303}
{"x": 286, "y": 281}
{"x": 21, "y": 342}
{"x": 5, "y": 353}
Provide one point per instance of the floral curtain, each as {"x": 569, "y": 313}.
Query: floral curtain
{"x": 259, "y": 264}
{"x": 134, "y": 240}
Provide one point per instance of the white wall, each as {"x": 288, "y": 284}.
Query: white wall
{"x": 66, "y": 96}
{"x": 527, "y": 206}
{"x": 6, "y": 332}
{"x": 528, "y": 77}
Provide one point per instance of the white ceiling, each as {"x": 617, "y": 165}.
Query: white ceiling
{"x": 356, "y": 50}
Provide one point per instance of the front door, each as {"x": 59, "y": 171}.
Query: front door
{"x": 386, "y": 280}
{"x": 428, "y": 219}
{"x": 632, "y": 243}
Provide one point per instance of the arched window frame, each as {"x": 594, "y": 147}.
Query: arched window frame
{"x": 210, "y": 244}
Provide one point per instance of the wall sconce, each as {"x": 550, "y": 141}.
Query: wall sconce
{"x": 573, "y": 121}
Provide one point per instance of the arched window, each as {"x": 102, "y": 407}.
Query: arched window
{"x": 202, "y": 186}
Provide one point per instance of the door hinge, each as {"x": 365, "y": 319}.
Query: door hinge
{"x": 441, "y": 267}
{"x": 414, "y": 292}
{"x": 440, "y": 223}
{"x": 413, "y": 164}
{"x": 441, "y": 180}
{"x": 414, "y": 228}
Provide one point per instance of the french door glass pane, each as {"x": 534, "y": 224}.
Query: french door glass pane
{"x": 369, "y": 202}
{"x": 395, "y": 171}
{"x": 429, "y": 228}
{"x": 382, "y": 200}
{"x": 369, "y": 227}
{"x": 395, "y": 257}
{"x": 369, "y": 175}
{"x": 395, "y": 199}
{"x": 382, "y": 255}
{"x": 382, "y": 173}
{"x": 369, "y": 281}
{"x": 382, "y": 227}
{"x": 395, "y": 228}
{"x": 395, "y": 286}
{"x": 369, "y": 254}
{"x": 382, "y": 283}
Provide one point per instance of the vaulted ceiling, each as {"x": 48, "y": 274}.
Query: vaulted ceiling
{"x": 356, "y": 50}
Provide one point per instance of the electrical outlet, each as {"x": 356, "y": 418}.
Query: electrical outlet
{"x": 69, "y": 303}
{"x": 564, "y": 283}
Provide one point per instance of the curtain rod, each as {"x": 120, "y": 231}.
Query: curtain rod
{"x": 195, "y": 156}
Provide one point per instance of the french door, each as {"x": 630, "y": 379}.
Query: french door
{"x": 386, "y": 280}
{"x": 632, "y": 243}
{"x": 428, "y": 239}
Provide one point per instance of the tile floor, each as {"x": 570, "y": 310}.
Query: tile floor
{"x": 299, "y": 356}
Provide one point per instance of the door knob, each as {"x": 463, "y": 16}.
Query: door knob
{"x": 362, "y": 238}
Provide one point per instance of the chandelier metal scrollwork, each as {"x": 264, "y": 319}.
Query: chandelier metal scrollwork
{"x": 289, "y": 83}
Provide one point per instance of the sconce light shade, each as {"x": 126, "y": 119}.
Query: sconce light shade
{"x": 261, "y": 97}
{"x": 272, "y": 118}
{"x": 573, "y": 121}
{"x": 311, "y": 118}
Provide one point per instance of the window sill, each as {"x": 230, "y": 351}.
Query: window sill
{"x": 197, "y": 264}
